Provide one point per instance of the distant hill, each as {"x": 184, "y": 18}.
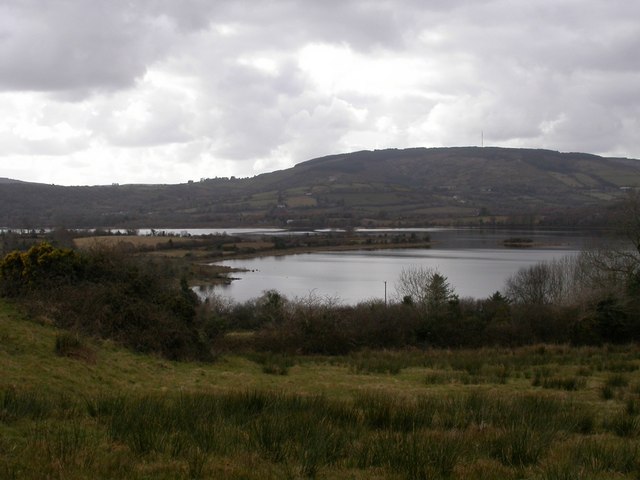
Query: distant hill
{"x": 418, "y": 186}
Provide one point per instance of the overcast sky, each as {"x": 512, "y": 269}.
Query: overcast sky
{"x": 144, "y": 91}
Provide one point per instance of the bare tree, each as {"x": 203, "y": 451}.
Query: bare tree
{"x": 561, "y": 281}
{"x": 424, "y": 286}
{"x": 594, "y": 273}
{"x": 411, "y": 283}
{"x": 629, "y": 222}
{"x": 535, "y": 285}
{"x": 612, "y": 267}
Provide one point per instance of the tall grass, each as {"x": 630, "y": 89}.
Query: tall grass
{"x": 16, "y": 405}
{"x": 478, "y": 421}
{"x": 416, "y": 438}
{"x": 424, "y": 437}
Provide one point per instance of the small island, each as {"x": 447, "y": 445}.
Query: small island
{"x": 518, "y": 242}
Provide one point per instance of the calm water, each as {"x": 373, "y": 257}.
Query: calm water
{"x": 474, "y": 261}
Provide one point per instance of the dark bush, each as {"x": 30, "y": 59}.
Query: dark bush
{"x": 321, "y": 327}
{"x": 108, "y": 294}
{"x": 308, "y": 327}
{"x": 607, "y": 320}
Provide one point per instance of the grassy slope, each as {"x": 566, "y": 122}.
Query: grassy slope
{"x": 27, "y": 360}
{"x": 70, "y": 443}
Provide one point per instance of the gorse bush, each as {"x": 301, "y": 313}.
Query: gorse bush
{"x": 39, "y": 267}
{"x": 108, "y": 294}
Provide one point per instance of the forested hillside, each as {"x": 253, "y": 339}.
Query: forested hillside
{"x": 378, "y": 188}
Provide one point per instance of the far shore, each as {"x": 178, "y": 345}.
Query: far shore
{"x": 318, "y": 249}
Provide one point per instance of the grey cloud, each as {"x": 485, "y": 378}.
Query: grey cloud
{"x": 282, "y": 24}
{"x": 563, "y": 36}
{"x": 253, "y": 108}
{"x": 559, "y": 74}
{"x": 317, "y": 131}
{"x": 83, "y": 46}
{"x": 64, "y": 50}
{"x": 78, "y": 45}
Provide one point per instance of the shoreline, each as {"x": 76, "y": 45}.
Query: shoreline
{"x": 319, "y": 249}
{"x": 221, "y": 272}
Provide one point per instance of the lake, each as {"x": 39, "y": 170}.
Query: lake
{"x": 474, "y": 261}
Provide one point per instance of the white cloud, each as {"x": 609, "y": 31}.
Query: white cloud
{"x": 163, "y": 91}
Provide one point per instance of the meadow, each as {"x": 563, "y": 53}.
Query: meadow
{"x": 73, "y": 407}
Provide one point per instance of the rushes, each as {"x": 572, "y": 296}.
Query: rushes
{"x": 15, "y": 405}
{"x": 307, "y": 436}
{"x": 415, "y": 454}
{"x": 599, "y": 455}
{"x": 613, "y": 386}
{"x": 474, "y": 421}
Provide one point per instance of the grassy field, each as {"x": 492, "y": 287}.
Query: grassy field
{"x": 75, "y": 408}
{"x": 135, "y": 241}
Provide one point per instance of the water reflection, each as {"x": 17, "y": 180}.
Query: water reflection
{"x": 353, "y": 277}
{"x": 474, "y": 260}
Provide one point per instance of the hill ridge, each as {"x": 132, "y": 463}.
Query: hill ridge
{"x": 413, "y": 186}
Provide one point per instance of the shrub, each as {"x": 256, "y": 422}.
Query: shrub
{"x": 319, "y": 326}
{"x": 39, "y": 267}
{"x": 109, "y": 294}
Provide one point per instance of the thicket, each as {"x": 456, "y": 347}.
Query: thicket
{"x": 107, "y": 294}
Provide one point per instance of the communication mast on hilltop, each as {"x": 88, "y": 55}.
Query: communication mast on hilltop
{"x": 482, "y": 138}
